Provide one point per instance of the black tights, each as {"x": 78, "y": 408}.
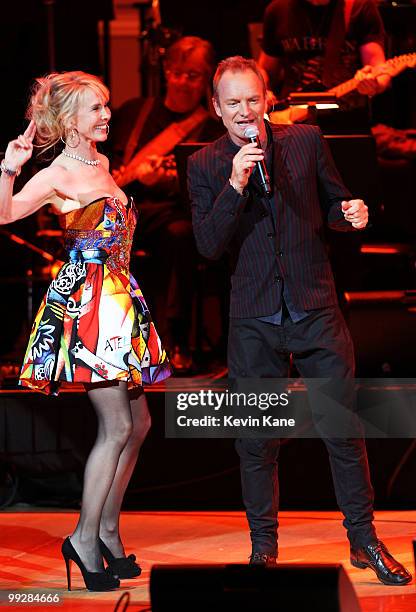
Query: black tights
{"x": 122, "y": 426}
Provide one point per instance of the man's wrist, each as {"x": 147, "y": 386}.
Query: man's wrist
{"x": 383, "y": 82}
{"x": 241, "y": 190}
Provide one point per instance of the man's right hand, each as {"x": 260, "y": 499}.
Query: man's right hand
{"x": 243, "y": 164}
{"x": 271, "y": 100}
{"x": 157, "y": 170}
{"x": 154, "y": 171}
{"x": 118, "y": 173}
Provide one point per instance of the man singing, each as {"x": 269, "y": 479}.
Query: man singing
{"x": 283, "y": 298}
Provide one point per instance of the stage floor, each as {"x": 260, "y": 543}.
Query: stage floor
{"x": 30, "y": 558}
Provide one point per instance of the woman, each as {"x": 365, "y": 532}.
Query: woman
{"x": 93, "y": 326}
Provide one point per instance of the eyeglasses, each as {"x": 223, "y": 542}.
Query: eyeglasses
{"x": 190, "y": 76}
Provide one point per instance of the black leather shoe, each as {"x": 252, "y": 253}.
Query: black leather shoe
{"x": 120, "y": 567}
{"x": 262, "y": 559}
{"x": 94, "y": 581}
{"x": 377, "y": 557}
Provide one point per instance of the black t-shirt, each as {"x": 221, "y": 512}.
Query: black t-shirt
{"x": 296, "y": 32}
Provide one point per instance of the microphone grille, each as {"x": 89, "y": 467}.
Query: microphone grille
{"x": 252, "y": 131}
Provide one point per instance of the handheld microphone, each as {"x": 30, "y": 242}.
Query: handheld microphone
{"x": 252, "y": 134}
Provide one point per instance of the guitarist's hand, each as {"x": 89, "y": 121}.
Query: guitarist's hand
{"x": 288, "y": 116}
{"x": 370, "y": 84}
{"x": 157, "y": 170}
{"x": 271, "y": 100}
{"x": 117, "y": 173}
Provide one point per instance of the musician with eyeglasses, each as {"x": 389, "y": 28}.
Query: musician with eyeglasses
{"x": 145, "y": 133}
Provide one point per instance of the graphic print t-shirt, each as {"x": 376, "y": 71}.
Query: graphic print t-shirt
{"x": 296, "y": 32}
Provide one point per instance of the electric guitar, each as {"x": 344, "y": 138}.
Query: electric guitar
{"x": 391, "y": 67}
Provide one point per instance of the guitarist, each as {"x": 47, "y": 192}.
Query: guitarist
{"x": 311, "y": 45}
{"x": 144, "y": 134}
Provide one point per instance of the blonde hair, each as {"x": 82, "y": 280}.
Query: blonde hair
{"x": 55, "y": 99}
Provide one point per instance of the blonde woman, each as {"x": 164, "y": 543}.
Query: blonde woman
{"x": 93, "y": 326}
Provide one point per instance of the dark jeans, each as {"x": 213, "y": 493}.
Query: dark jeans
{"x": 321, "y": 347}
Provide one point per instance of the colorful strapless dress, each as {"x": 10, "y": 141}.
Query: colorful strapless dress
{"x": 93, "y": 324}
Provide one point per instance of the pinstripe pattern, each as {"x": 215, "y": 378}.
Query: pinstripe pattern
{"x": 260, "y": 254}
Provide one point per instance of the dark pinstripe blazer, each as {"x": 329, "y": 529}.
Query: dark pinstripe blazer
{"x": 264, "y": 253}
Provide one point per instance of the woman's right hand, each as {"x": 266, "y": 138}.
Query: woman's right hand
{"x": 20, "y": 150}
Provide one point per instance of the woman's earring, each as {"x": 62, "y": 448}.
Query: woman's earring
{"x": 71, "y": 138}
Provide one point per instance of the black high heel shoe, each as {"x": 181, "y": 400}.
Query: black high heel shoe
{"x": 122, "y": 567}
{"x": 94, "y": 581}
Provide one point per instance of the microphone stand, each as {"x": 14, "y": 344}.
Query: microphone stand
{"x": 29, "y": 273}
{"x": 153, "y": 42}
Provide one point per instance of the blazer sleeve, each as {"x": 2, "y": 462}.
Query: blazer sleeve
{"x": 332, "y": 190}
{"x": 215, "y": 212}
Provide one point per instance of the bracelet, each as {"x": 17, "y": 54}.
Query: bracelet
{"x": 234, "y": 187}
{"x": 9, "y": 171}
{"x": 243, "y": 193}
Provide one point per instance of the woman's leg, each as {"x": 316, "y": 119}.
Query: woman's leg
{"x": 112, "y": 406}
{"x": 109, "y": 526}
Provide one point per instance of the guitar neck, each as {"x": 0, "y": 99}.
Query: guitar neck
{"x": 392, "y": 67}
{"x": 344, "y": 88}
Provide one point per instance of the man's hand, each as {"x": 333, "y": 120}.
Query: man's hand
{"x": 271, "y": 100}
{"x": 157, "y": 170}
{"x": 118, "y": 173}
{"x": 356, "y": 212}
{"x": 243, "y": 164}
{"x": 370, "y": 83}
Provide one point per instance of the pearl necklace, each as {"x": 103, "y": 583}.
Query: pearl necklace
{"x": 90, "y": 162}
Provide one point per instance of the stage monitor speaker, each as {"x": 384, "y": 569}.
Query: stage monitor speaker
{"x": 244, "y": 588}
{"x": 383, "y": 329}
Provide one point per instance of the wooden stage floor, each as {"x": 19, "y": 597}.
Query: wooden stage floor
{"x": 30, "y": 558}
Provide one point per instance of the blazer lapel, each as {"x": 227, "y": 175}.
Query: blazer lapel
{"x": 225, "y": 155}
{"x": 281, "y": 141}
